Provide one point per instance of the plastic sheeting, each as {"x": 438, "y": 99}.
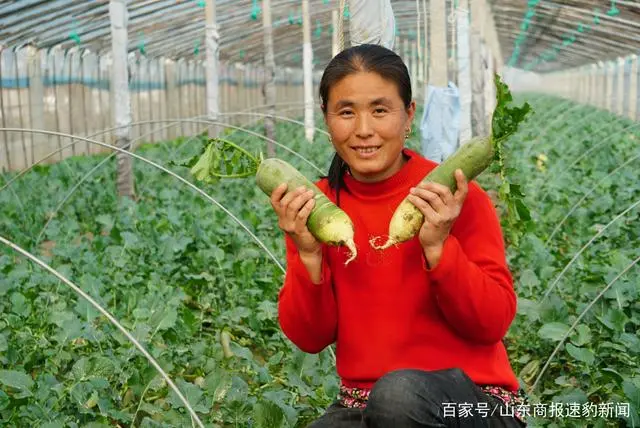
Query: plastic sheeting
{"x": 372, "y": 21}
{"x": 440, "y": 124}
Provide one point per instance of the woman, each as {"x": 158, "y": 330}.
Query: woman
{"x": 418, "y": 327}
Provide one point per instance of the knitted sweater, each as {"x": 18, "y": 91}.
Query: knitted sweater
{"x": 387, "y": 309}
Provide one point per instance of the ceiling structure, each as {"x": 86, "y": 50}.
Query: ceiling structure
{"x": 541, "y": 35}
{"x": 536, "y": 35}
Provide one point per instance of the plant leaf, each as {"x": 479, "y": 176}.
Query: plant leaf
{"x": 581, "y": 354}
{"x": 506, "y": 119}
{"x": 202, "y": 168}
{"x": 553, "y": 331}
{"x": 17, "y": 380}
{"x": 268, "y": 415}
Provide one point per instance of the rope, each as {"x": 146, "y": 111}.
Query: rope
{"x": 341, "y": 26}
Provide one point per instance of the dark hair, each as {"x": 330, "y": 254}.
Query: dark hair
{"x": 361, "y": 58}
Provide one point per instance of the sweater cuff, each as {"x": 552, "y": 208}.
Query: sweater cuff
{"x": 447, "y": 261}
{"x": 301, "y": 273}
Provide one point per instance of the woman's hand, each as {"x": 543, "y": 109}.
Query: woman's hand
{"x": 293, "y": 210}
{"x": 440, "y": 209}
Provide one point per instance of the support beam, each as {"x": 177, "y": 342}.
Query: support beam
{"x": 438, "y": 74}
{"x": 464, "y": 70}
{"x": 621, "y": 86}
{"x": 39, "y": 148}
{"x": 420, "y": 53}
{"x": 212, "y": 46}
{"x": 307, "y": 60}
{"x": 121, "y": 97}
{"x": 609, "y": 105}
{"x": 593, "y": 84}
{"x": 335, "y": 49}
{"x": 270, "y": 76}
{"x": 425, "y": 38}
{"x": 477, "y": 70}
{"x": 414, "y": 67}
{"x": 633, "y": 89}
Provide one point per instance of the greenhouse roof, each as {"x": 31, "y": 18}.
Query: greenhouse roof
{"x": 538, "y": 35}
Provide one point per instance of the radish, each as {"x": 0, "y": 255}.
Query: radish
{"x": 326, "y": 222}
{"x": 472, "y": 158}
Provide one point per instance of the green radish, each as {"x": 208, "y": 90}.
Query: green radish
{"x": 326, "y": 222}
{"x": 472, "y": 158}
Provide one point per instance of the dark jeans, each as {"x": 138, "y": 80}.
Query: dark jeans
{"x": 421, "y": 399}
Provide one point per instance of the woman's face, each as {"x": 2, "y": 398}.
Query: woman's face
{"x": 368, "y": 122}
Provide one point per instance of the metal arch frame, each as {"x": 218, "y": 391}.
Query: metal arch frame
{"x": 614, "y": 43}
{"x": 579, "y": 46}
{"x": 184, "y": 15}
{"x": 44, "y": 24}
{"x": 502, "y": 14}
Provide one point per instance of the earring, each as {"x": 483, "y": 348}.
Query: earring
{"x": 406, "y": 136}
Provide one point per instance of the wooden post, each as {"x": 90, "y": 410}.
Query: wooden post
{"x": 414, "y": 67}
{"x": 584, "y": 84}
{"x": 593, "y": 85}
{"x": 405, "y": 53}
{"x": 633, "y": 88}
{"x": 491, "y": 35}
{"x": 39, "y": 146}
{"x": 307, "y": 60}
{"x": 211, "y": 39}
{"x": 621, "y": 85}
{"x": 464, "y": 70}
{"x": 425, "y": 37}
{"x": 477, "y": 70}
{"x": 420, "y": 69}
{"x": 609, "y": 94}
{"x": 438, "y": 43}
{"x": 489, "y": 98}
{"x": 269, "y": 77}
{"x": 122, "y": 101}
{"x": 335, "y": 49}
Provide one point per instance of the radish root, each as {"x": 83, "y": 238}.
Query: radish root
{"x": 389, "y": 243}
{"x": 351, "y": 245}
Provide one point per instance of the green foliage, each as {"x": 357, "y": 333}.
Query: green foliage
{"x": 222, "y": 159}
{"x": 178, "y": 272}
{"x": 175, "y": 271}
{"x": 505, "y": 122}
{"x": 598, "y": 362}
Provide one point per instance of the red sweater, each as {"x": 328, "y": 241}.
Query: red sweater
{"x": 386, "y": 310}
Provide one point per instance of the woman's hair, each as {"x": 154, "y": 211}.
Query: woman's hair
{"x": 362, "y": 58}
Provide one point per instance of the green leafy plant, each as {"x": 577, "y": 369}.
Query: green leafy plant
{"x": 504, "y": 124}
{"x": 202, "y": 298}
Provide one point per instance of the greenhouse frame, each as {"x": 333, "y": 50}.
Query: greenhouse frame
{"x": 142, "y": 264}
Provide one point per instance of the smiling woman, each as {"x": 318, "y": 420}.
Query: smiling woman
{"x": 367, "y": 129}
{"x": 423, "y": 331}
{"x": 369, "y": 112}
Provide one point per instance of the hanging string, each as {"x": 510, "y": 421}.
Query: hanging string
{"x": 341, "y": 26}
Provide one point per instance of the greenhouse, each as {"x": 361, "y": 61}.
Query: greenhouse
{"x": 151, "y": 275}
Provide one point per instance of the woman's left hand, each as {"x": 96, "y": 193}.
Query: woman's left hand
{"x": 440, "y": 209}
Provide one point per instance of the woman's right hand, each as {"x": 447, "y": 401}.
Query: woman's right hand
{"x": 293, "y": 210}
